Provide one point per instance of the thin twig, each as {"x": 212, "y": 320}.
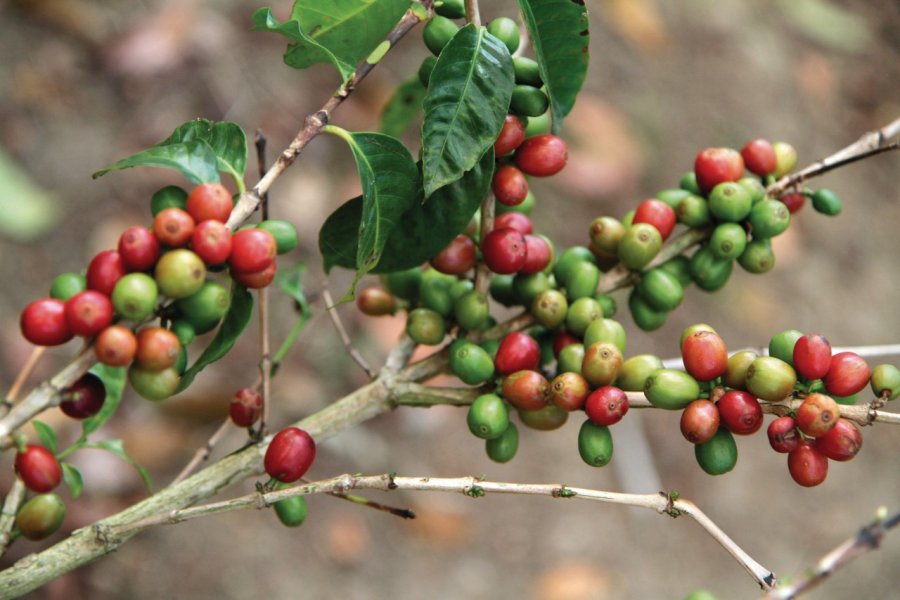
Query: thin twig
{"x": 21, "y": 378}
{"x": 331, "y": 309}
{"x": 482, "y": 272}
{"x": 14, "y": 498}
{"x": 202, "y": 453}
{"x": 866, "y": 539}
{"x": 399, "y": 355}
{"x": 473, "y": 15}
{"x": 403, "y": 513}
{"x": 265, "y": 362}
{"x": 260, "y": 142}
{"x": 474, "y": 487}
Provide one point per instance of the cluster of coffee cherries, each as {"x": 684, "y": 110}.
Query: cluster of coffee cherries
{"x": 289, "y": 455}
{"x": 41, "y": 472}
{"x": 724, "y": 193}
{"x": 162, "y": 272}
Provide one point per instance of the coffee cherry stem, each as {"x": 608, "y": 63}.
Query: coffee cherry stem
{"x": 332, "y": 310}
{"x": 202, "y": 453}
{"x": 265, "y": 362}
{"x": 473, "y": 14}
{"x": 21, "y": 378}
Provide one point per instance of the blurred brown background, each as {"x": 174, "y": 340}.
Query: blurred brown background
{"x": 85, "y": 83}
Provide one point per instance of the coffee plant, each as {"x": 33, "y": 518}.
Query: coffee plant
{"x": 445, "y": 233}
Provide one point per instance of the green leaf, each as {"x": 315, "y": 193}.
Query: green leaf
{"x": 403, "y": 107}
{"x": 46, "y": 434}
{"x": 73, "y": 479}
{"x": 290, "y": 281}
{"x": 196, "y": 160}
{"x": 232, "y": 326}
{"x": 466, "y": 103}
{"x": 559, "y": 35}
{"x": 114, "y": 381}
{"x": 116, "y": 447}
{"x": 228, "y": 141}
{"x": 423, "y": 231}
{"x": 389, "y": 179}
{"x": 26, "y": 210}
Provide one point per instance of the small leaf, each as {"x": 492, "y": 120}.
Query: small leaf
{"x": 114, "y": 381}
{"x": 467, "y": 100}
{"x": 46, "y": 434}
{"x": 228, "y": 141}
{"x": 559, "y": 35}
{"x": 232, "y": 326}
{"x": 423, "y": 230}
{"x": 195, "y": 160}
{"x": 403, "y": 107}
{"x": 290, "y": 281}
{"x": 116, "y": 447}
{"x": 304, "y": 51}
{"x": 73, "y": 479}
{"x": 389, "y": 179}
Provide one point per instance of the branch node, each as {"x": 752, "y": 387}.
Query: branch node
{"x": 671, "y": 498}
{"x": 563, "y": 492}
{"x": 391, "y": 485}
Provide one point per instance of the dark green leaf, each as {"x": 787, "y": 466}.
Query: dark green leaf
{"x": 114, "y": 381}
{"x": 423, "y": 231}
{"x": 196, "y": 160}
{"x": 46, "y": 434}
{"x": 559, "y": 34}
{"x": 73, "y": 479}
{"x": 389, "y": 179}
{"x": 466, "y": 103}
{"x": 116, "y": 447}
{"x": 403, "y": 107}
{"x": 232, "y": 326}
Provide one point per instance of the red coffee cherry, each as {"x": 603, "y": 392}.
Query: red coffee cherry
{"x": 783, "y": 436}
{"x": 817, "y": 414}
{"x": 656, "y": 213}
{"x": 38, "y": 468}
{"x": 704, "y": 355}
{"x": 807, "y": 466}
{"x": 794, "y": 202}
{"x": 740, "y": 412}
{"x": 700, "y": 421}
{"x": 509, "y": 185}
{"x": 209, "y": 201}
{"x": 457, "y": 258}
{"x": 173, "y": 227}
{"x": 847, "y": 374}
{"x": 517, "y": 352}
{"x": 759, "y": 157}
{"x": 812, "y": 356}
{"x": 514, "y": 220}
{"x": 43, "y": 323}
{"x": 88, "y": 313}
{"x": 104, "y": 270}
{"x": 115, "y": 346}
{"x": 245, "y": 407}
{"x": 842, "y": 443}
{"x": 256, "y": 280}
{"x": 504, "y": 251}
{"x": 717, "y": 165}
{"x": 375, "y": 302}
{"x": 252, "y": 250}
{"x": 139, "y": 248}
{"x": 606, "y": 405}
{"x": 157, "y": 349}
{"x": 527, "y": 390}
{"x": 569, "y": 390}
{"x": 211, "y": 241}
{"x": 538, "y": 255}
{"x": 84, "y": 398}
{"x": 511, "y": 135}
{"x": 542, "y": 155}
{"x": 289, "y": 455}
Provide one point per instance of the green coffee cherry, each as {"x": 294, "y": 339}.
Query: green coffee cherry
{"x": 438, "y": 33}
{"x": 671, "y": 389}
{"x": 781, "y": 345}
{"x": 718, "y": 455}
{"x": 672, "y": 196}
{"x": 570, "y": 359}
{"x": 595, "y": 444}
{"x": 426, "y": 326}
{"x": 452, "y": 9}
{"x": 661, "y": 290}
{"x": 538, "y": 125}
{"x": 434, "y": 292}
{"x": 736, "y": 369}
{"x": 645, "y": 316}
{"x": 66, "y": 285}
{"x": 757, "y": 257}
{"x": 154, "y": 385}
{"x": 606, "y": 330}
{"x": 184, "y": 331}
{"x": 41, "y": 516}
{"x": 404, "y": 284}
{"x": 639, "y": 245}
{"x": 170, "y": 196}
{"x": 285, "y": 234}
{"x": 488, "y": 417}
{"x": 606, "y": 233}
{"x": 680, "y": 267}
{"x": 291, "y": 511}
{"x": 525, "y": 207}
{"x": 179, "y": 273}
{"x": 770, "y": 379}
{"x": 826, "y": 202}
{"x": 785, "y": 158}
{"x": 693, "y": 211}
{"x": 728, "y": 241}
{"x": 528, "y": 101}
{"x": 730, "y": 202}
{"x": 527, "y": 287}
{"x": 582, "y": 281}
{"x": 769, "y": 218}
{"x": 608, "y": 304}
{"x": 425, "y": 69}
{"x": 708, "y": 272}
{"x": 635, "y": 371}
{"x": 601, "y": 364}
{"x": 581, "y": 313}
{"x": 885, "y": 381}
{"x": 209, "y": 304}
{"x": 549, "y": 308}
{"x": 506, "y": 30}
{"x": 503, "y": 448}
{"x": 754, "y": 187}
{"x": 471, "y": 363}
{"x": 689, "y": 182}
{"x": 471, "y": 310}
{"x": 501, "y": 289}
{"x": 134, "y": 296}
{"x": 527, "y": 71}
{"x": 568, "y": 259}
{"x": 545, "y": 419}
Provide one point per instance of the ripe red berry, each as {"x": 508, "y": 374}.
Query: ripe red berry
{"x": 542, "y": 155}
{"x": 717, "y": 165}
{"x": 139, "y": 248}
{"x": 759, "y": 157}
{"x": 43, "y": 323}
{"x": 537, "y": 255}
{"x": 606, "y": 405}
{"x": 173, "y": 227}
{"x": 38, "y": 468}
{"x": 504, "y": 251}
{"x": 514, "y": 220}
{"x": 245, "y": 407}
{"x": 783, "y": 435}
{"x": 527, "y": 390}
{"x": 700, "y": 421}
{"x": 511, "y": 136}
{"x": 258, "y": 279}
{"x": 812, "y": 356}
{"x": 104, "y": 270}
{"x": 817, "y": 414}
{"x": 842, "y": 443}
{"x": 794, "y": 202}
{"x": 807, "y": 466}
{"x": 252, "y": 250}
{"x": 509, "y": 185}
{"x": 847, "y": 374}
{"x": 457, "y": 257}
{"x": 740, "y": 412}
{"x": 88, "y": 313}
{"x": 518, "y": 351}
{"x": 289, "y": 455}
{"x": 569, "y": 390}
{"x": 84, "y": 398}
{"x": 656, "y": 213}
{"x": 209, "y": 201}
{"x": 211, "y": 241}
{"x": 115, "y": 346}
{"x": 157, "y": 349}
{"x": 705, "y": 355}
